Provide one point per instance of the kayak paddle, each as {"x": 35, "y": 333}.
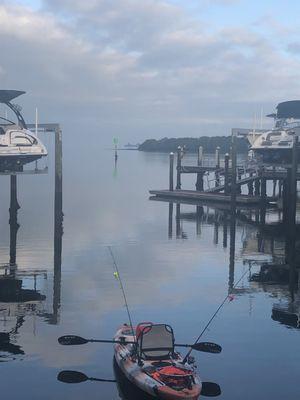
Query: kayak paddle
{"x": 78, "y": 377}
{"x": 209, "y": 389}
{"x": 72, "y": 340}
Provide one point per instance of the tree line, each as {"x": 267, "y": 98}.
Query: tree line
{"x": 209, "y": 144}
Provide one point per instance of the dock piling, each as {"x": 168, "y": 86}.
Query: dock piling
{"x": 171, "y": 172}
{"x": 226, "y": 173}
{"x": 178, "y": 181}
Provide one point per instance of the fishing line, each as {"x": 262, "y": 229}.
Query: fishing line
{"x": 213, "y": 317}
{"x": 117, "y": 275}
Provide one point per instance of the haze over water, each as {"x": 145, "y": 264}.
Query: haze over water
{"x": 177, "y": 277}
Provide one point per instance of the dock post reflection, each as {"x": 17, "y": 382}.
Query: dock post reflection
{"x": 170, "y": 225}
{"x": 225, "y": 228}
{"x": 199, "y": 216}
{"x": 232, "y": 252}
{"x": 178, "y": 230}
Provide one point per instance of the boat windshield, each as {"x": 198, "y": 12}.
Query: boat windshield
{"x": 6, "y": 121}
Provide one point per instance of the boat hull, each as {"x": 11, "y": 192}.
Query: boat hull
{"x": 15, "y": 162}
{"x": 140, "y": 377}
{"x": 276, "y": 156}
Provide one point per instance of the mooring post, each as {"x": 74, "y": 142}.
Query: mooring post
{"x": 199, "y": 181}
{"x": 274, "y": 182}
{"x": 233, "y": 175}
{"x": 285, "y": 198}
{"x": 58, "y": 226}
{"x": 200, "y": 156}
{"x": 217, "y": 157}
{"x": 171, "y": 174}
{"x": 263, "y": 198}
{"x": 250, "y": 185}
{"x": 178, "y": 182}
{"x": 13, "y": 222}
{"x": 217, "y": 165}
{"x": 226, "y": 173}
{"x": 257, "y": 185}
{"x": 279, "y": 189}
{"x": 293, "y": 183}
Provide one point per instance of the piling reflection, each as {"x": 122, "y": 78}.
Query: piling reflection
{"x": 17, "y": 299}
{"x": 271, "y": 253}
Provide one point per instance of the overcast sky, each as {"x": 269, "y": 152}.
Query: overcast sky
{"x": 151, "y": 68}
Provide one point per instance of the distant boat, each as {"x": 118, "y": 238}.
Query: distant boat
{"x": 18, "y": 145}
{"x": 130, "y": 146}
{"x": 275, "y": 145}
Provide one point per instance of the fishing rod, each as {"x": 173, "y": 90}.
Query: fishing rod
{"x": 212, "y": 318}
{"x": 117, "y": 275}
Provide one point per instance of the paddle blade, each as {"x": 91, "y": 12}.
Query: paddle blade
{"x": 210, "y": 389}
{"x": 71, "y": 340}
{"x": 72, "y": 377}
{"x": 207, "y": 347}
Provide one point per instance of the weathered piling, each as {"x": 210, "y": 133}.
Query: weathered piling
{"x": 200, "y": 156}
{"x": 250, "y": 185}
{"x": 233, "y": 175}
{"x": 199, "y": 181}
{"x": 217, "y": 157}
{"x": 263, "y": 200}
{"x": 217, "y": 164}
{"x": 178, "y": 180}
{"x": 171, "y": 172}
{"x": 13, "y": 220}
{"x": 226, "y": 173}
{"x": 293, "y": 182}
{"x": 257, "y": 185}
{"x": 58, "y": 226}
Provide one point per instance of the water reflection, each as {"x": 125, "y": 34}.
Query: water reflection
{"x": 272, "y": 254}
{"x": 17, "y": 301}
{"x": 126, "y": 390}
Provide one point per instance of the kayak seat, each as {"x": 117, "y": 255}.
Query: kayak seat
{"x": 155, "y": 342}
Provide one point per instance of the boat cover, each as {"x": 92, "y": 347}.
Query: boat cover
{"x": 289, "y": 109}
{"x": 7, "y": 95}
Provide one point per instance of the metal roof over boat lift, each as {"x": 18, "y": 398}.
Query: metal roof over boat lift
{"x": 7, "y": 95}
{"x": 287, "y": 109}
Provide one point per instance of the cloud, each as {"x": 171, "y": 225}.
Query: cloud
{"x": 141, "y": 68}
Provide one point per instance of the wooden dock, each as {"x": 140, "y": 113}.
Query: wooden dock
{"x": 195, "y": 197}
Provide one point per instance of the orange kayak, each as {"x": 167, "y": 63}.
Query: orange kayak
{"x": 151, "y": 363}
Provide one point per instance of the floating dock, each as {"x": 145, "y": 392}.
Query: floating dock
{"x": 195, "y": 196}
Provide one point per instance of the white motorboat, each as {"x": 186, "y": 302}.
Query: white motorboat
{"x": 18, "y": 145}
{"x": 275, "y": 145}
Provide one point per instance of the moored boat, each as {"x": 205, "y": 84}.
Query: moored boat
{"x": 151, "y": 363}
{"x": 275, "y": 145}
{"x": 18, "y": 145}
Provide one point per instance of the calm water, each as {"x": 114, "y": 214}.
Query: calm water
{"x": 174, "y": 270}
